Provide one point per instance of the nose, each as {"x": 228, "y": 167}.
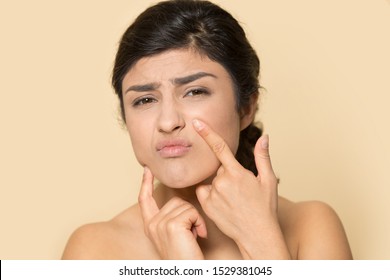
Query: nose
{"x": 171, "y": 117}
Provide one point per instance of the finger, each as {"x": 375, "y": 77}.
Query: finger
{"x": 202, "y": 193}
{"x": 198, "y": 224}
{"x": 146, "y": 201}
{"x": 220, "y": 171}
{"x": 187, "y": 214}
{"x": 263, "y": 159}
{"x": 174, "y": 206}
{"x": 216, "y": 143}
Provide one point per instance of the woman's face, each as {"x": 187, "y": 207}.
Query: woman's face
{"x": 162, "y": 95}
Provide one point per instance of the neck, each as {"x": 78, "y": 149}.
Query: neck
{"x": 163, "y": 194}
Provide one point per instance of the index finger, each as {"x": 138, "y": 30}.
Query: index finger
{"x": 146, "y": 201}
{"x": 216, "y": 143}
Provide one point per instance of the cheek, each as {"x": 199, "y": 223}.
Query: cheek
{"x": 226, "y": 123}
{"x": 230, "y": 132}
{"x": 139, "y": 135}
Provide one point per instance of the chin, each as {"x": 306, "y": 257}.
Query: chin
{"x": 183, "y": 173}
{"x": 180, "y": 182}
{"x": 177, "y": 183}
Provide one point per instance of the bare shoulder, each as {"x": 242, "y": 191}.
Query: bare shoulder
{"x": 119, "y": 238}
{"x": 313, "y": 230}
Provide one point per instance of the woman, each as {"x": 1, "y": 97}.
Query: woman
{"x": 187, "y": 80}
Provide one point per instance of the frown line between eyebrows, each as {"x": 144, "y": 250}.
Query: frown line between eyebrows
{"x": 176, "y": 81}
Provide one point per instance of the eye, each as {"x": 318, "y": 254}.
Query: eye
{"x": 197, "y": 91}
{"x": 143, "y": 101}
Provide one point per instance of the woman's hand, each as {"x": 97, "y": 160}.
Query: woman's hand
{"x": 173, "y": 229}
{"x": 242, "y": 205}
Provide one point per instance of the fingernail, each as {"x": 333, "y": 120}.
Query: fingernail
{"x": 265, "y": 142}
{"x": 197, "y": 124}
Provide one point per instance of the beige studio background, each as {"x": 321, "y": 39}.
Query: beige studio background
{"x": 65, "y": 161}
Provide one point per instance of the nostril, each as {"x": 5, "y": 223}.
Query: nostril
{"x": 171, "y": 129}
{"x": 179, "y": 127}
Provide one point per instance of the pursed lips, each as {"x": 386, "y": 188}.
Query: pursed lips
{"x": 172, "y": 148}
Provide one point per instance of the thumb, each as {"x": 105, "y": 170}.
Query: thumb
{"x": 199, "y": 227}
{"x": 263, "y": 159}
{"x": 202, "y": 193}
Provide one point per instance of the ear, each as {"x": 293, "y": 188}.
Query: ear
{"x": 248, "y": 112}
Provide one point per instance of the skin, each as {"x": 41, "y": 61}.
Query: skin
{"x": 169, "y": 107}
{"x": 184, "y": 128}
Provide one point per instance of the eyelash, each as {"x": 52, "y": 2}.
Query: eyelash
{"x": 143, "y": 101}
{"x": 197, "y": 91}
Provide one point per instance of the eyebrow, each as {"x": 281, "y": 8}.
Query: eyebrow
{"x": 191, "y": 78}
{"x": 143, "y": 88}
{"x": 176, "y": 81}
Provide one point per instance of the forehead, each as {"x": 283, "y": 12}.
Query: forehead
{"x": 170, "y": 65}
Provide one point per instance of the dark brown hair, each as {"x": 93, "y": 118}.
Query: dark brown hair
{"x": 206, "y": 28}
